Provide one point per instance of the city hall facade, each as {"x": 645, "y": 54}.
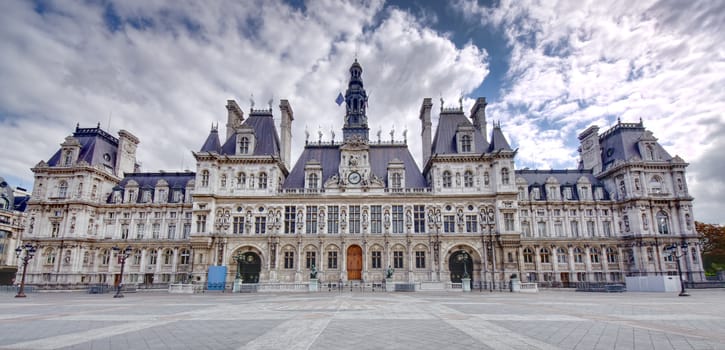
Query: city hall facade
{"x": 355, "y": 208}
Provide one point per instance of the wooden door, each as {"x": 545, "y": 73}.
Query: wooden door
{"x": 354, "y": 263}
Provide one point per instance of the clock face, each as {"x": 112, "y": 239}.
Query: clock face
{"x": 353, "y": 178}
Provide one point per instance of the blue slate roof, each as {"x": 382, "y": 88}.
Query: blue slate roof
{"x": 444, "y": 141}
{"x": 94, "y": 144}
{"x": 498, "y": 140}
{"x": 565, "y": 177}
{"x": 176, "y": 181}
{"x": 620, "y": 143}
{"x": 265, "y": 133}
{"x": 21, "y": 203}
{"x": 212, "y": 143}
{"x": 380, "y": 155}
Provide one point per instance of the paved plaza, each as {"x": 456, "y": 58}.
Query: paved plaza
{"x": 333, "y": 320}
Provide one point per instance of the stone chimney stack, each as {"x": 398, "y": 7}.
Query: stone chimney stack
{"x": 286, "y": 131}
{"x": 478, "y": 114}
{"x": 425, "y": 130}
{"x": 126, "y": 155}
{"x": 235, "y": 117}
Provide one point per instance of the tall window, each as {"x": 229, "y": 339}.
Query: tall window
{"x": 333, "y": 219}
{"x": 290, "y": 214}
{"x": 611, "y": 255}
{"x": 397, "y": 219}
{"x": 238, "y": 225}
{"x": 331, "y": 260}
{"x": 354, "y": 219}
{"x": 263, "y": 180}
{"x": 528, "y": 256}
{"x": 578, "y": 255}
{"x": 419, "y": 218}
{"x": 187, "y": 230}
{"x": 260, "y": 225}
{"x": 136, "y": 257}
{"x": 561, "y": 256}
{"x": 168, "y": 256}
{"x": 541, "y": 228}
{"x": 397, "y": 259}
{"x": 471, "y": 223}
{"x": 156, "y": 230}
{"x": 312, "y": 180}
{"x": 420, "y": 259}
{"x": 663, "y": 223}
{"x": 244, "y": 145}
{"x": 447, "y": 179}
{"x": 505, "y": 176}
{"x": 200, "y": 223}
{"x": 397, "y": 180}
{"x": 594, "y": 255}
{"x": 508, "y": 220}
{"x": 241, "y": 179}
{"x": 466, "y": 143}
{"x": 575, "y": 228}
{"x": 105, "y": 257}
{"x": 311, "y": 222}
{"x": 205, "y": 178}
{"x": 545, "y": 255}
{"x": 449, "y": 223}
{"x": 184, "y": 257}
{"x": 376, "y": 219}
{"x": 468, "y": 179}
{"x": 590, "y": 228}
{"x": 289, "y": 260}
{"x": 124, "y": 231}
{"x": 310, "y": 259}
{"x": 607, "y": 227}
{"x": 153, "y": 256}
{"x": 171, "y": 231}
{"x": 68, "y": 159}
{"x": 487, "y": 179}
{"x": 62, "y": 189}
{"x": 377, "y": 259}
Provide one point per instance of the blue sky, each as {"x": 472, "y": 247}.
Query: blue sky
{"x": 164, "y": 70}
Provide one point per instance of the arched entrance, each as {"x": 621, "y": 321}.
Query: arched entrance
{"x": 461, "y": 266}
{"x": 354, "y": 263}
{"x": 248, "y": 266}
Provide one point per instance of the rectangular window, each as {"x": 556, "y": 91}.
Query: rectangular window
{"x": 333, "y": 219}
{"x": 238, "y": 225}
{"x": 310, "y": 259}
{"x": 471, "y": 223}
{"x": 187, "y": 230}
{"x": 260, "y": 225}
{"x": 590, "y": 228}
{"x": 419, "y": 218}
{"x": 376, "y": 219}
{"x": 311, "y": 219}
{"x": 574, "y": 229}
{"x": 290, "y": 212}
{"x": 541, "y": 229}
{"x": 200, "y": 223}
{"x": 171, "y": 232}
{"x": 377, "y": 260}
{"x": 331, "y": 260}
{"x": 354, "y": 219}
{"x": 508, "y": 220}
{"x": 420, "y": 259}
{"x": 140, "y": 231}
{"x": 124, "y": 231}
{"x": 156, "y": 231}
{"x": 397, "y": 219}
{"x": 289, "y": 260}
{"x": 398, "y": 260}
{"x": 558, "y": 229}
{"x": 449, "y": 223}
{"x": 607, "y": 226}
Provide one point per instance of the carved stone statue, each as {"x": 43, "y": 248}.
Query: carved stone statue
{"x": 313, "y": 273}
{"x": 389, "y": 272}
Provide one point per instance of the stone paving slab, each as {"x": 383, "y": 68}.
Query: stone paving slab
{"x": 425, "y": 320}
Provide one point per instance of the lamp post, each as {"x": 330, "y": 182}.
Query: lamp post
{"x": 29, "y": 253}
{"x": 672, "y": 250}
{"x": 122, "y": 255}
{"x": 488, "y": 218}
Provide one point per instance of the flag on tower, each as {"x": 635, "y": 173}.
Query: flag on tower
{"x": 339, "y": 100}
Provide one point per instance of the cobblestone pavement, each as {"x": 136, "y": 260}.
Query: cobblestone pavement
{"x": 330, "y": 320}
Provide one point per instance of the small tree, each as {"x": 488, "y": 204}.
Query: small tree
{"x": 713, "y": 247}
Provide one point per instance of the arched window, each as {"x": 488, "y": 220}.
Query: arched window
{"x": 528, "y": 256}
{"x": 645, "y": 223}
{"x": 312, "y": 180}
{"x": 168, "y": 256}
{"x": 397, "y": 181}
{"x": 611, "y": 255}
{"x": 62, "y": 189}
{"x": 152, "y": 256}
{"x": 263, "y": 180}
{"x": 486, "y": 179}
{"x": 505, "y": 176}
{"x": 447, "y": 181}
{"x": 137, "y": 257}
{"x": 105, "y": 257}
{"x": 244, "y": 145}
{"x": 622, "y": 188}
{"x": 466, "y": 143}
{"x": 545, "y": 255}
{"x": 68, "y": 158}
{"x": 561, "y": 256}
{"x": 184, "y": 257}
{"x": 468, "y": 179}
{"x": 578, "y": 255}
{"x": 594, "y": 255}
{"x": 655, "y": 184}
{"x": 205, "y": 178}
{"x": 663, "y": 223}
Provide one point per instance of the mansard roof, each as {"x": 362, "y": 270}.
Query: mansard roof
{"x": 176, "y": 181}
{"x": 212, "y": 143}
{"x": 564, "y": 177}
{"x": 444, "y": 141}
{"x": 95, "y": 143}
{"x": 498, "y": 140}
{"x": 328, "y": 155}
{"x": 621, "y": 143}
{"x": 265, "y": 134}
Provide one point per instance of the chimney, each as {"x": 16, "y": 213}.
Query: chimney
{"x": 235, "y": 117}
{"x": 425, "y": 130}
{"x": 126, "y": 154}
{"x": 286, "y": 131}
{"x": 478, "y": 114}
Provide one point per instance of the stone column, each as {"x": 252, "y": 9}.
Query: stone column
{"x": 555, "y": 263}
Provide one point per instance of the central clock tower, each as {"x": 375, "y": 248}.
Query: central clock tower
{"x": 354, "y": 167}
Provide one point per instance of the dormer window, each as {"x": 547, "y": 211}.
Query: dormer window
{"x": 205, "y": 178}
{"x": 396, "y": 181}
{"x": 245, "y": 141}
{"x": 567, "y": 193}
{"x": 62, "y": 189}
{"x": 177, "y": 196}
{"x": 263, "y": 180}
{"x": 505, "y": 176}
{"x": 312, "y": 181}
{"x": 447, "y": 181}
{"x": 68, "y": 158}
{"x": 241, "y": 179}
{"x": 162, "y": 196}
{"x": 535, "y": 193}
{"x": 466, "y": 143}
{"x": 145, "y": 196}
{"x": 244, "y": 145}
{"x": 650, "y": 152}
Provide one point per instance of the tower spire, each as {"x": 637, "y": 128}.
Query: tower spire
{"x": 356, "y": 101}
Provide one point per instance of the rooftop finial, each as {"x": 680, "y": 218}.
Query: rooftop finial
{"x": 307, "y": 134}
{"x": 442, "y": 102}
{"x": 271, "y": 100}
{"x": 251, "y": 101}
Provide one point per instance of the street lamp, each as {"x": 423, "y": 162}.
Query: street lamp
{"x": 488, "y": 219}
{"x": 672, "y": 250}
{"x": 29, "y": 253}
{"x": 122, "y": 255}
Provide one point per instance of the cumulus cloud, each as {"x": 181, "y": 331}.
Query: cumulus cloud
{"x": 164, "y": 71}
{"x": 574, "y": 64}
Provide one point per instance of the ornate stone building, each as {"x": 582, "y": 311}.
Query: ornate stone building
{"x": 355, "y": 207}
{"x": 13, "y": 202}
